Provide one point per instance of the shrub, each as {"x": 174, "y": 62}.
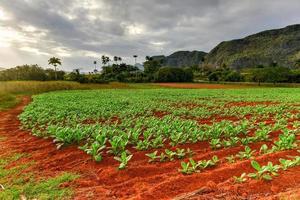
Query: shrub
{"x": 169, "y": 74}
{"x": 233, "y": 76}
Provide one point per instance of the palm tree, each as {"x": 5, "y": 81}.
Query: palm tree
{"x": 135, "y": 56}
{"x": 95, "y": 63}
{"x": 105, "y": 59}
{"x": 54, "y": 61}
{"x": 120, "y": 59}
{"x": 115, "y": 59}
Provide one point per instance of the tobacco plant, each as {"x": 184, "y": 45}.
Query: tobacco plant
{"x": 289, "y": 163}
{"x": 230, "y": 159}
{"x": 286, "y": 141}
{"x": 215, "y": 144}
{"x": 240, "y": 179}
{"x": 246, "y": 154}
{"x": 193, "y": 166}
{"x": 123, "y": 159}
{"x": 264, "y": 172}
{"x": 153, "y": 156}
{"x": 113, "y": 120}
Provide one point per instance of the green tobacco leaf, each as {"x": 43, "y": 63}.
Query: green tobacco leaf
{"x": 255, "y": 165}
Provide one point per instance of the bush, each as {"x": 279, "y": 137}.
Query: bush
{"x": 214, "y": 76}
{"x": 30, "y": 72}
{"x": 233, "y": 76}
{"x": 273, "y": 74}
{"x": 169, "y": 74}
{"x": 294, "y": 76}
{"x": 25, "y": 72}
{"x": 82, "y": 78}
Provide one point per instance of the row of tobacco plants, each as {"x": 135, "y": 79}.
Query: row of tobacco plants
{"x": 105, "y": 123}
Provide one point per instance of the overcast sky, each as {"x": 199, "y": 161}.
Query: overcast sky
{"x": 80, "y": 31}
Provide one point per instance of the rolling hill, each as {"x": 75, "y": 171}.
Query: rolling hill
{"x": 281, "y": 46}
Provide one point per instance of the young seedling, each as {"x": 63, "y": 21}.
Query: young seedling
{"x": 260, "y": 173}
{"x": 180, "y": 153}
{"x": 189, "y": 153}
{"x": 185, "y": 168}
{"x": 194, "y": 165}
{"x": 123, "y": 160}
{"x": 287, "y": 140}
{"x": 153, "y": 156}
{"x": 163, "y": 157}
{"x": 262, "y": 134}
{"x": 240, "y": 179}
{"x": 264, "y": 149}
{"x": 234, "y": 141}
{"x": 208, "y": 163}
{"x": 247, "y": 154}
{"x": 247, "y": 140}
{"x": 170, "y": 154}
{"x": 118, "y": 145}
{"x": 158, "y": 142}
{"x": 264, "y": 172}
{"x": 273, "y": 169}
{"x": 175, "y": 138}
{"x": 215, "y": 144}
{"x": 134, "y": 136}
{"x": 143, "y": 145}
{"x": 231, "y": 159}
{"x": 95, "y": 150}
{"x": 289, "y": 163}
{"x": 227, "y": 143}
{"x": 215, "y": 159}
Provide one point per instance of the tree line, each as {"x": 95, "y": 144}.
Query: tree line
{"x": 272, "y": 73}
{"x": 154, "y": 71}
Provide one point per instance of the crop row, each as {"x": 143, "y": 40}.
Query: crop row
{"x": 108, "y": 122}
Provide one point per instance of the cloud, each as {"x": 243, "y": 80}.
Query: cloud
{"x": 80, "y": 31}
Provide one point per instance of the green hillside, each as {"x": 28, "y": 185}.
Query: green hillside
{"x": 281, "y": 46}
{"x": 181, "y": 58}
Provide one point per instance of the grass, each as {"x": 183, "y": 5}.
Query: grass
{"x": 35, "y": 87}
{"x": 251, "y": 84}
{"x": 24, "y": 185}
{"x": 8, "y": 100}
{"x": 11, "y": 90}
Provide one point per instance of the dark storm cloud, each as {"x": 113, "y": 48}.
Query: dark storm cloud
{"x": 79, "y": 30}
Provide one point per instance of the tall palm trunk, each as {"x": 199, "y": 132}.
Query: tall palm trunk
{"x": 55, "y": 72}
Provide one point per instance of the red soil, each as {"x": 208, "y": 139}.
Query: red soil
{"x": 143, "y": 180}
{"x": 112, "y": 120}
{"x": 160, "y": 114}
{"x": 200, "y": 86}
{"x": 246, "y": 103}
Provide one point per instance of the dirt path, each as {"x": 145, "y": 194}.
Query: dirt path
{"x": 143, "y": 180}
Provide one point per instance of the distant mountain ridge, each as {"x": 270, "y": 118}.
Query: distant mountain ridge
{"x": 281, "y": 46}
{"x": 181, "y": 58}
